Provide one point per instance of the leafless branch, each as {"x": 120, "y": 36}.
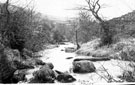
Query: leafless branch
{"x": 98, "y": 6}
{"x": 93, "y": 7}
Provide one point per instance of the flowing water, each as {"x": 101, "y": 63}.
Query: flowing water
{"x": 58, "y": 56}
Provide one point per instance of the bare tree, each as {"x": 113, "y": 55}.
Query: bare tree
{"x": 89, "y": 28}
{"x": 94, "y": 7}
{"x": 75, "y": 24}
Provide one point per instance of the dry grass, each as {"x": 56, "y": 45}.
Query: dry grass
{"x": 91, "y": 49}
{"x": 114, "y": 51}
{"x": 123, "y": 50}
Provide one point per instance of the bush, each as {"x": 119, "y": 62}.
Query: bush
{"x": 57, "y": 37}
{"x": 35, "y": 43}
{"x": 128, "y": 76}
{"x": 128, "y": 53}
{"x": 107, "y": 33}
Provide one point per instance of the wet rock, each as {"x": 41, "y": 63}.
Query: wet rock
{"x": 44, "y": 75}
{"x": 64, "y": 77}
{"x": 83, "y": 66}
{"x": 62, "y": 49}
{"x": 39, "y": 62}
{"x": 80, "y": 52}
{"x": 69, "y": 57}
{"x": 70, "y": 49}
{"x": 18, "y": 76}
{"x": 23, "y": 65}
{"x": 93, "y": 59}
{"x": 49, "y": 65}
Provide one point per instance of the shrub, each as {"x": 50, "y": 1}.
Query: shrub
{"x": 128, "y": 53}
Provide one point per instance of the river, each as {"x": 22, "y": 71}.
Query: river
{"x": 58, "y": 56}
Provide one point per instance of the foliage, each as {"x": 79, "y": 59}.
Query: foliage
{"x": 23, "y": 28}
{"x": 88, "y": 27}
{"x": 107, "y": 33}
{"x": 57, "y": 37}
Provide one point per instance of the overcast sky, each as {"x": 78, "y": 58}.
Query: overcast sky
{"x": 61, "y": 8}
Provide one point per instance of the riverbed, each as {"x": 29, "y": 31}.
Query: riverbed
{"x": 58, "y": 57}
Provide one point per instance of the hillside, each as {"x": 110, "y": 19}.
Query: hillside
{"x": 129, "y": 17}
{"x": 125, "y": 24}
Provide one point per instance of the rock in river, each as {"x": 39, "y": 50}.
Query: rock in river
{"x": 64, "y": 77}
{"x": 19, "y": 75}
{"x": 44, "y": 75}
{"x": 49, "y": 65}
{"x": 83, "y": 66}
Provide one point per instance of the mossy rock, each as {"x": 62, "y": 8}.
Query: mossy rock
{"x": 83, "y": 66}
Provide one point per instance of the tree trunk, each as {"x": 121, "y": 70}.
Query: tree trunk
{"x": 107, "y": 36}
{"x": 76, "y": 35}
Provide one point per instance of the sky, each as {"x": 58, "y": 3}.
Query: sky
{"x": 62, "y": 9}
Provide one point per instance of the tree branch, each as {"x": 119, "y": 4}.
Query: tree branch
{"x": 98, "y": 6}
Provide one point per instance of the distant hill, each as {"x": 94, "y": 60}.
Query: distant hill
{"x": 127, "y": 18}
{"x": 125, "y": 24}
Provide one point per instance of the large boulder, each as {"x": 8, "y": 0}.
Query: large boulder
{"x": 83, "y": 66}
{"x": 44, "y": 75}
{"x": 16, "y": 59}
{"x": 19, "y": 75}
{"x": 7, "y": 67}
{"x": 64, "y": 77}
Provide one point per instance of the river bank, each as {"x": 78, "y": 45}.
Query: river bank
{"x": 58, "y": 57}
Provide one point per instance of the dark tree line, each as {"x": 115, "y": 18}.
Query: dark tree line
{"x": 22, "y": 27}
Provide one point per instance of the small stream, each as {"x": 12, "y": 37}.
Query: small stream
{"x": 58, "y": 56}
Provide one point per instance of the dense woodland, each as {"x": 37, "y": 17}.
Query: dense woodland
{"x": 24, "y": 31}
